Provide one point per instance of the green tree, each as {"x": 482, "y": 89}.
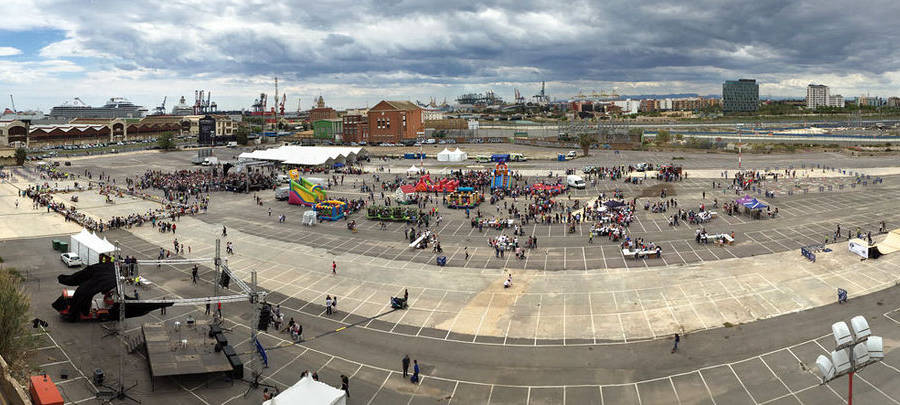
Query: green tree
{"x": 663, "y": 137}
{"x": 166, "y": 141}
{"x": 14, "y": 313}
{"x": 585, "y": 140}
{"x": 21, "y": 154}
{"x": 242, "y": 135}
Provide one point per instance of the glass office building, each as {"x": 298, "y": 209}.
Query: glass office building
{"x": 740, "y": 95}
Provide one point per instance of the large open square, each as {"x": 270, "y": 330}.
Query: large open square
{"x": 580, "y": 321}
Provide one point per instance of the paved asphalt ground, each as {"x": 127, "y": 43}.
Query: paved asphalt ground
{"x": 755, "y": 363}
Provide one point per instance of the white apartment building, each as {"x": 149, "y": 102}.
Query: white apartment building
{"x": 816, "y": 96}
{"x": 836, "y": 100}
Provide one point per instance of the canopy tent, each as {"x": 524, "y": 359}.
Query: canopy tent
{"x": 755, "y": 204}
{"x": 447, "y": 155}
{"x": 404, "y": 192}
{"x": 306, "y": 155}
{"x": 444, "y": 155}
{"x": 89, "y": 246}
{"x": 309, "y": 392}
{"x": 413, "y": 171}
{"x": 613, "y": 204}
{"x": 744, "y": 199}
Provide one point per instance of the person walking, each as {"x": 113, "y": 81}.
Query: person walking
{"x": 415, "y": 377}
{"x": 224, "y": 231}
{"x": 405, "y": 365}
{"x": 207, "y": 308}
{"x": 327, "y": 305}
{"x": 194, "y": 271}
{"x": 333, "y": 268}
{"x": 345, "y": 385}
{"x": 677, "y": 339}
{"x": 219, "y": 309}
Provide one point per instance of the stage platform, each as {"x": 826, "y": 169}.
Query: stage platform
{"x": 183, "y": 349}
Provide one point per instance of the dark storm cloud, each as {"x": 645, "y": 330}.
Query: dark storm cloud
{"x": 466, "y": 42}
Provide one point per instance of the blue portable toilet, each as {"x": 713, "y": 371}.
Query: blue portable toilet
{"x": 560, "y": 157}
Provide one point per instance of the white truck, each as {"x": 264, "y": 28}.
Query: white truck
{"x": 210, "y": 161}
{"x": 575, "y": 181}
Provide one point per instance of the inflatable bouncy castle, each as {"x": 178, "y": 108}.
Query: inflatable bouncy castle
{"x": 331, "y": 210}
{"x": 500, "y": 176}
{"x": 443, "y": 185}
{"x": 304, "y": 192}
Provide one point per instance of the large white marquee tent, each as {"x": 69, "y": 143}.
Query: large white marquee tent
{"x": 306, "y": 155}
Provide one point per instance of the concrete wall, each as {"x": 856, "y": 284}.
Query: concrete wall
{"x": 10, "y": 390}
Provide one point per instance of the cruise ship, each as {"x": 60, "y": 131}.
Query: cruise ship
{"x": 116, "y": 107}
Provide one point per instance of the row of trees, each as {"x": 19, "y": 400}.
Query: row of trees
{"x": 15, "y": 339}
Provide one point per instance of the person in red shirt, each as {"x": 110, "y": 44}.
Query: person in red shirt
{"x": 333, "y": 268}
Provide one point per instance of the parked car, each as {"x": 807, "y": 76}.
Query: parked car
{"x": 70, "y": 259}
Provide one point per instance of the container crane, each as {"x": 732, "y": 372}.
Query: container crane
{"x": 161, "y": 110}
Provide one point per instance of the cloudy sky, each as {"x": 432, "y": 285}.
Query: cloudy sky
{"x": 355, "y": 53}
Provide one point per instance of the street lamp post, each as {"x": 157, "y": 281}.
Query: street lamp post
{"x": 852, "y": 352}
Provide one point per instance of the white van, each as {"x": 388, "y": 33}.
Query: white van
{"x": 483, "y": 159}
{"x": 210, "y": 161}
{"x": 517, "y": 157}
{"x": 571, "y": 154}
{"x": 575, "y": 181}
{"x": 282, "y": 193}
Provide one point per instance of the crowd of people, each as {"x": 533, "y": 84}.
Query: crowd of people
{"x": 182, "y": 185}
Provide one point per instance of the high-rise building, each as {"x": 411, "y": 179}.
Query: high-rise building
{"x": 740, "y": 95}
{"x": 817, "y": 96}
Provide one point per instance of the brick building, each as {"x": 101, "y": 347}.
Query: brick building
{"x": 321, "y": 112}
{"x": 394, "y": 121}
{"x": 356, "y": 128}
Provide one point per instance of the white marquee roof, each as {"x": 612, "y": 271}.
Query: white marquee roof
{"x": 93, "y": 242}
{"x": 305, "y": 155}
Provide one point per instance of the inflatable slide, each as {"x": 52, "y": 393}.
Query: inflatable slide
{"x": 500, "y": 176}
{"x": 305, "y": 193}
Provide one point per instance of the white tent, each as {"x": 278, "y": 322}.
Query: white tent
{"x": 413, "y": 171}
{"x": 306, "y": 155}
{"x": 447, "y": 155}
{"x": 444, "y": 155}
{"x": 89, "y": 246}
{"x": 309, "y": 392}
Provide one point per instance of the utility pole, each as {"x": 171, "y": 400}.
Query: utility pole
{"x": 275, "y": 124}
{"x": 217, "y": 262}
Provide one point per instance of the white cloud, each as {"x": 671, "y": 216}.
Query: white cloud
{"x": 354, "y": 51}
{"x": 9, "y": 51}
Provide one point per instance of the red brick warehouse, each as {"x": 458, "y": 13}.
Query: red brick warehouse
{"x": 394, "y": 121}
